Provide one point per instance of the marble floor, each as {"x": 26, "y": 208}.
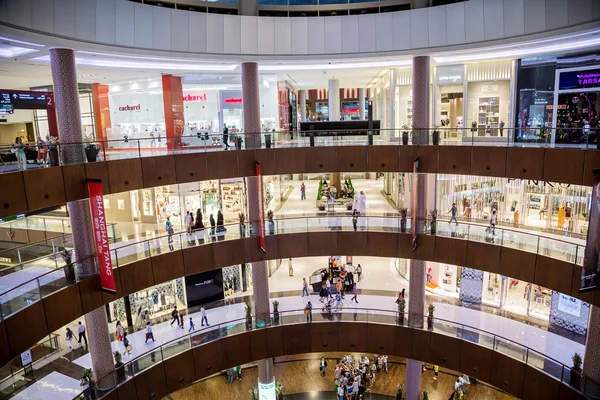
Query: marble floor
{"x": 54, "y": 386}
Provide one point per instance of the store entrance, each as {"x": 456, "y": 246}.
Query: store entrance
{"x": 451, "y": 114}
{"x": 577, "y": 117}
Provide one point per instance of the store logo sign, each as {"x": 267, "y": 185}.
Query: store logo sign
{"x": 191, "y": 97}
{"x": 234, "y": 100}
{"x": 588, "y": 79}
{"x": 130, "y": 108}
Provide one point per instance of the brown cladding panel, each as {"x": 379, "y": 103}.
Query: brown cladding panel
{"x": 320, "y": 160}
{"x": 539, "y": 385}
{"x": 488, "y": 161}
{"x": 355, "y": 243}
{"x": 296, "y": 339}
{"x": 592, "y": 162}
{"x": 168, "y": 266}
{"x": 383, "y": 244}
{"x": 14, "y": 201}
{"x": 404, "y": 341}
{"x": 382, "y": 158}
{"x": 227, "y": 253}
{"x": 352, "y": 159}
{"x": 290, "y": 161}
{"x": 455, "y": 160}
{"x": 191, "y": 167}
{"x": 108, "y": 297}
{"x": 507, "y": 374}
{"x": 207, "y": 359}
{"x": 222, "y": 164}
{"x": 235, "y": 350}
{"x": 125, "y": 175}
{"x": 74, "y": 177}
{"x": 421, "y": 343}
{"x": 517, "y": 264}
{"x": 254, "y": 253}
{"x": 381, "y": 339}
{"x": 4, "y": 346}
{"x": 26, "y": 327}
{"x": 98, "y": 170}
{"x": 258, "y": 344}
{"x": 127, "y": 390}
{"x": 293, "y": 245}
{"x": 353, "y": 337}
{"x": 324, "y": 337}
{"x": 151, "y": 383}
{"x": 445, "y": 351}
{"x": 136, "y": 276}
{"x": 180, "y": 371}
{"x": 552, "y": 273}
{"x": 274, "y": 341}
{"x": 564, "y": 166}
{"x": 44, "y": 188}
{"x": 197, "y": 259}
{"x": 247, "y": 163}
{"x": 62, "y": 307}
{"x": 426, "y": 247}
{"x": 428, "y": 159}
{"x": 91, "y": 296}
{"x": 475, "y": 360}
{"x": 35, "y": 236}
{"x": 158, "y": 171}
{"x": 266, "y": 157}
{"x": 407, "y": 157}
{"x": 566, "y": 392}
{"x": 322, "y": 243}
{"x": 405, "y": 246}
{"x": 483, "y": 256}
{"x": 451, "y": 251}
{"x": 588, "y": 297}
{"x": 525, "y": 162}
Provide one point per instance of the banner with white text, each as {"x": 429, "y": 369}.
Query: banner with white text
{"x": 107, "y": 279}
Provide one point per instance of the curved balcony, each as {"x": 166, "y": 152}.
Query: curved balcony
{"x": 515, "y": 369}
{"x": 62, "y": 295}
{"x": 136, "y": 164}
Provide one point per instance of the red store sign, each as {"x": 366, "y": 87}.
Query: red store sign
{"x": 191, "y": 97}
{"x": 130, "y": 108}
{"x": 233, "y": 100}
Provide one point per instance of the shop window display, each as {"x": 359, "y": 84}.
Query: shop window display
{"x": 515, "y": 296}
{"x": 577, "y": 117}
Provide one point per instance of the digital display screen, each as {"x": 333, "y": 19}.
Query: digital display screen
{"x": 579, "y": 79}
{"x": 10, "y": 101}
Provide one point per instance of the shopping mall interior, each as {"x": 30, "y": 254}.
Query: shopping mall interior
{"x": 304, "y": 199}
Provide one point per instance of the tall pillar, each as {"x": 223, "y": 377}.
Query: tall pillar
{"x": 361, "y": 103}
{"x": 173, "y": 106}
{"x": 416, "y": 286}
{"x": 334, "y": 99}
{"x": 392, "y": 101}
{"x": 260, "y": 273}
{"x": 302, "y": 95}
{"x": 66, "y": 98}
{"x": 591, "y": 359}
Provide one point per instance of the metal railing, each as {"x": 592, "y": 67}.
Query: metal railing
{"x": 205, "y": 142}
{"x": 507, "y": 347}
{"x": 18, "y": 298}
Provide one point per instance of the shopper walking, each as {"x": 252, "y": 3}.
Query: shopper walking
{"x": 81, "y": 330}
{"x": 120, "y": 331}
{"x": 322, "y": 366}
{"x": 302, "y": 192}
{"x": 192, "y": 326}
{"x": 453, "y": 211}
{"x": 181, "y": 320}
{"x": 308, "y": 311}
{"x": 355, "y": 293}
{"x": 19, "y": 149}
{"x": 226, "y": 136}
{"x": 493, "y": 220}
{"x": 170, "y": 230}
{"x": 188, "y": 222}
{"x": 149, "y": 334}
{"x": 42, "y": 151}
{"x": 126, "y": 345}
{"x": 304, "y": 287}
{"x": 175, "y": 316}
{"x": 212, "y": 225}
{"x": 359, "y": 271}
{"x": 290, "y": 268}
{"x": 69, "y": 336}
{"x": 355, "y": 215}
{"x": 203, "y": 316}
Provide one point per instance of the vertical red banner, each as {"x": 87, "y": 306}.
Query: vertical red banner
{"x": 107, "y": 279}
{"x": 51, "y": 112}
{"x": 101, "y": 110}
{"x": 261, "y": 218}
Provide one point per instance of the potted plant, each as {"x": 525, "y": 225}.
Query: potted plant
{"x": 403, "y": 213}
{"x": 349, "y": 205}
{"x": 321, "y": 206}
{"x": 425, "y": 395}
{"x": 271, "y": 222}
{"x": 279, "y": 390}
{"x": 242, "y": 219}
{"x": 68, "y": 268}
{"x": 91, "y": 152}
{"x": 248, "y": 317}
{"x": 576, "y": 370}
{"x": 399, "y": 391}
{"x": 401, "y": 309}
{"x": 430, "y": 311}
{"x": 433, "y": 214}
{"x": 254, "y": 393}
{"x": 275, "y": 312}
{"x": 119, "y": 366}
{"x": 88, "y": 379}
{"x": 435, "y": 136}
{"x": 405, "y": 129}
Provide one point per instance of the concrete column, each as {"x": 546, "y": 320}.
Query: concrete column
{"x": 302, "y": 94}
{"x": 334, "y": 100}
{"x": 591, "y": 360}
{"x": 66, "y": 99}
{"x": 260, "y": 272}
{"x": 248, "y": 7}
{"x": 392, "y": 107}
{"x": 362, "y": 94}
{"x": 416, "y": 286}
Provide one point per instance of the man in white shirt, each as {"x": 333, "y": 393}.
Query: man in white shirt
{"x": 81, "y": 330}
{"x": 203, "y": 316}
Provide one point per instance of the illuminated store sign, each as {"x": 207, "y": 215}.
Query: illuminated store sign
{"x": 130, "y": 108}
{"x": 236, "y": 100}
{"x": 191, "y": 97}
{"x": 579, "y": 79}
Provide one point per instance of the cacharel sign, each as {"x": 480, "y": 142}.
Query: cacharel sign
{"x": 137, "y": 107}
{"x": 192, "y": 97}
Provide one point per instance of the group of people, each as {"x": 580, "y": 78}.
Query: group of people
{"x": 193, "y": 225}
{"x": 354, "y": 376}
{"x": 70, "y": 335}
{"x": 43, "y": 150}
{"x": 234, "y": 373}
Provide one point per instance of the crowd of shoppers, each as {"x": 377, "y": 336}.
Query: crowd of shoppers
{"x": 354, "y": 376}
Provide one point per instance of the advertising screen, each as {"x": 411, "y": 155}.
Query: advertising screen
{"x": 592, "y": 247}
{"x": 579, "y": 79}
{"x": 204, "y": 287}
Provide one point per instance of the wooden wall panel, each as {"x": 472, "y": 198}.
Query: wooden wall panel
{"x": 151, "y": 383}
{"x": 168, "y": 266}
{"x": 207, "y": 359}
{"x": 290, "y": 161}
{"x": 324, "y": 337}
{"x": 228, "y": 252}
{"x": 592, "y": 162}
{"x": 353, "y": 337}
{"x": 483, "y": 256}
{"x": 426, "y": 247}
{"x": 266, "y": 157}
{"x": 382, "y": 158}
{"x": 476, "y": 360}
{"x": 525, "y": 162}
{"x": 428, "y": 159}
{"x": 445, "y": 351}
{"x": 222, "y": 164}
{"x": 125, "y": 175}
{"x": 13, "y": 201}
{"x": 451, "y": 251}
{"x": 404, "y": 341}
{"x": 89, "y": 291}
{"x": 44, "y": 187}
{"x": 553, "y": 273}
{"x": 455, "y": 160}
{"x": 180, "y": 371}
{"x": 258, "y": 344}
{"x": 352, "y": 159}
{"x": 588, "y": 297}
{"x": 421, "y": 344}
{"x": 296, "y": 339}
{"x": 26, "y": 328}
{"x": 507, "y": 374}
{"x": 5, "y": 356}
{"x": 381, "y": 339}
{"x": 293, "y": 245}
{"x": 198, "y": 259}
{"x": 98, "y": 170}
{"x": 355, "y": 243}
{"x": 191, "y": 167}
{"x": 253, "y": 252}
{"x": 74, "y": 177}
{"x": 517, "y": 264}
{"x": 320, "y": 160}
{"x": 136, "y": 276}
{"x": 407, "y": 155}
{"x": 405, "y": 246}
{"x": 158, "y": 171}
{"x": 62, "y": 307}
{"x": 275, "y": 341}
{"x": 235, "y": 350}
{"x": 320, "y": 243}
{"x": 109, "y": 297}
{"x": 35, "y": 236}
{"x": 127, "y": 390}
{"x": 488, "y": 161}
{"x": 568, "y": 393}
{"x": 539, "y": 385}
{"x": 564, "y": 165}
{"x": 383, "y": 244}
{"x": 247, "y": 163}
